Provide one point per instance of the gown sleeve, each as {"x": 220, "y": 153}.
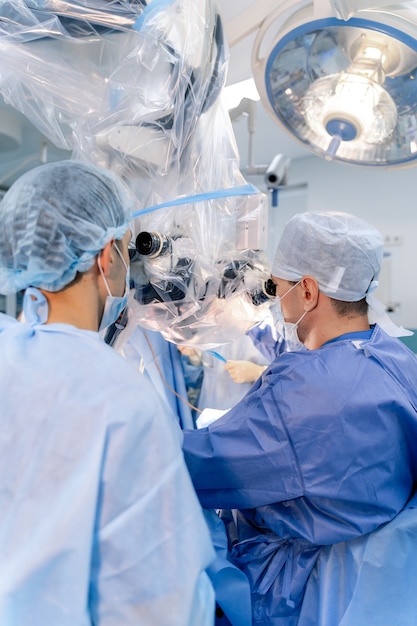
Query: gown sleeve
{"x": 245, "y": 459}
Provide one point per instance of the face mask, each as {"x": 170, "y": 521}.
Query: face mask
{"x": 114, "y": 305}
{"x": 289, "y": 329}
{"x": 290, "y": 334}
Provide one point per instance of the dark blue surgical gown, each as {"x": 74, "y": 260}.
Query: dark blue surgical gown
{"x": 322, "y": 449}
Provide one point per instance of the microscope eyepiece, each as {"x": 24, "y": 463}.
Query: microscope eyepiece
{"x": 152, "y": 244}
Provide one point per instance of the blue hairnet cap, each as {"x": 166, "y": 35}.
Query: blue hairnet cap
{"x": 341, "y": 251}
{"x": 55, "y": 219}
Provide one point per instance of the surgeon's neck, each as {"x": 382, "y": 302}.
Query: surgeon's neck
{"x": 77, "y": 304}
{"x": 319, "y": 336}
{"x": 324, "y": 324}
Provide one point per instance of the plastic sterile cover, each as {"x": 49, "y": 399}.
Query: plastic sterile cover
{"x": 135, "y": 87}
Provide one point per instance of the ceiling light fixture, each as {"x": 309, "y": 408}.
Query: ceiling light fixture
{"x": 345, "y": 88}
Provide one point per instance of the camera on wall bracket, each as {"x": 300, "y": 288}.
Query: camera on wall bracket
{"x": 276, "y": 176}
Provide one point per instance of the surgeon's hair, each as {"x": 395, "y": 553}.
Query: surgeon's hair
{"x": 345, "y": 309}
{"x": 78, "y": 276}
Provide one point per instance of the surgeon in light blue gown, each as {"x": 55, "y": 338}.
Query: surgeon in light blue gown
{"x": 323, "y": 448}
{"x": 99, "y": 522}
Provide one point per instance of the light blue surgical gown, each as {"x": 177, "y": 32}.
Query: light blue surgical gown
{"x": 322, "y": 449}
{"x": 99, "y": 522}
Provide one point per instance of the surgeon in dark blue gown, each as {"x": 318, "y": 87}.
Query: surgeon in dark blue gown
{"x": 323, "y": 448}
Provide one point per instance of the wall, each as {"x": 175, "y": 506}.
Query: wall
{"x": 386, "y": 198}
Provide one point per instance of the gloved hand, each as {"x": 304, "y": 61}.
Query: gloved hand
{"x": 194, "y": 356}
{"x": 244, "y": 371}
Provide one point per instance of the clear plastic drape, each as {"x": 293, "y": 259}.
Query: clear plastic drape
{"x": 135, "y": 87}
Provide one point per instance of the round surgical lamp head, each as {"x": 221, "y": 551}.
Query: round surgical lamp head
{"x": 345, "y": 89}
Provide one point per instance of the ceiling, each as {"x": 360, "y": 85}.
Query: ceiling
{"x": 268, "y": 139}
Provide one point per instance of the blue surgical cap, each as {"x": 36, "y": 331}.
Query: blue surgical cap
{"x": 55, "y": 219}
{"x": 341, "y": 251}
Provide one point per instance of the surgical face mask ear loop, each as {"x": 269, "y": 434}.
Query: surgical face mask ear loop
{"x": 113, "y": 305}
{"x": 278, "y": 314}
{"x": 288, "y": 330}
{"x": 290, "y": 335}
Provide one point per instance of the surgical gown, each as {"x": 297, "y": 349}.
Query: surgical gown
{"x": 367, "y": 581}
{"x": 322, "y": 449}
{"x": 99, "y": 522}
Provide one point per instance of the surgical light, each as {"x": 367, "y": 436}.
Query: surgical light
{"x": 345, "y": 88}
{"x": 349, "y": 107}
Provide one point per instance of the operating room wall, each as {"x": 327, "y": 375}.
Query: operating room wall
{"x": 386, "y": 198}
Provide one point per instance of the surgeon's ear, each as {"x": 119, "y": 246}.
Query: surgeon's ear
{"x": 310, "y": 292}
{"x": 106, "y": 258}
